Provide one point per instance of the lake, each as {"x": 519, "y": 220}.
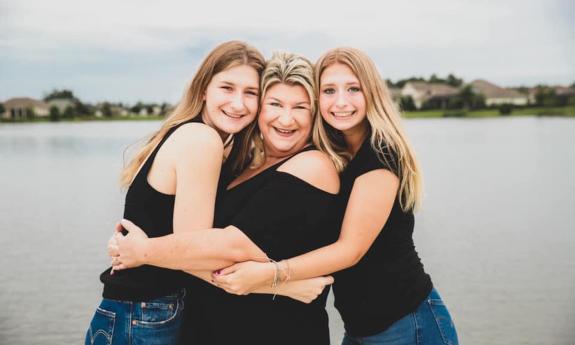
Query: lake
{"x": 496, "y": 231}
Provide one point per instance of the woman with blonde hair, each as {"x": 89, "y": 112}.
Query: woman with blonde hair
{"x": 278, "y": 201}
{"x": 381, "y": 291}
{"x": 171, "y": 186}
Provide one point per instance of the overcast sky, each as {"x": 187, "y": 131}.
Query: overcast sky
{"x": 130, "y": 50}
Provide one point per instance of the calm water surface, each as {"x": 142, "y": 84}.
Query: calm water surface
{"x": 496, "y": 233}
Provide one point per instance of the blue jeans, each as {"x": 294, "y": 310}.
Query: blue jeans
{"x": 154, "y": 322}
{"x": 430, "y": 324}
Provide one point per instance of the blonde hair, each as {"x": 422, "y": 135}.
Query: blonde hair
{"x": 286, "y": 68}
{"x": 386, "y": 131}
{"x": 224, "y": 56}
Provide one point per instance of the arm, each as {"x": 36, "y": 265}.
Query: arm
{"x": 206, "y": 249}
{"x": 196, "y": 152}
{"x": 369, "y": 206}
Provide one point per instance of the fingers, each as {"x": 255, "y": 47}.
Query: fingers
{"x": 112, "y": 246}
{"x": 127, "y": 225}
{"x": 119, "y": 267}
{"x": 328, "y": 280}
{"x": 227, "y": 270}
{"x": 113, "y": 250}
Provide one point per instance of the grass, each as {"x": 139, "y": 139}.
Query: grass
{"x": 568, "y": 111}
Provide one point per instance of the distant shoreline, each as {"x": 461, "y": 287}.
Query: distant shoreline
{"x": 566, "y": 112}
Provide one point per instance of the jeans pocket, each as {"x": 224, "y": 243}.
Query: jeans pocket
{"x": 101, "y": 327}
{"x": 443, "y": 321}
{"x": 160, "y": 311}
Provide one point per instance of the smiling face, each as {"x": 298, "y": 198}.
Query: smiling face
{"x": 231, "y": 99}
{"x": 285, "y": 120}
{"x": 341, "y": 100}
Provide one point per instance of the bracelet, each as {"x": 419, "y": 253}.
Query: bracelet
{"x": 288, "y": 271}
{"x": 276, "y": 278}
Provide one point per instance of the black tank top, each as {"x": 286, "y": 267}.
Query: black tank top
{"x": 283, "y": 215}
{"x": 152, "y": 211}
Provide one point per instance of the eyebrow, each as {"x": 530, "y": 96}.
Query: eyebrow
{"x": 347, "y": 83}
{"x": 233, "y": 84}
{"x": 279, "y": 101}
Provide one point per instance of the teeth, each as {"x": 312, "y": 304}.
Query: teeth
{"x": 343, "y": 113}
{"x": 284, "y": 131}
{"x": 235, "y": 116}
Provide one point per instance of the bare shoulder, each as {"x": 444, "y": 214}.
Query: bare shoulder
{"x": 197, "y": 136}
{"x": 315, "y": 168}
{"x": 376, "y": 180}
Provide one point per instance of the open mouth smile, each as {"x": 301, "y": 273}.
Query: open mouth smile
{"x": 342, "y": 114}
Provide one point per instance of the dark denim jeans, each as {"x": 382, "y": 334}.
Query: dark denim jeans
{"x": 155, "y": 322}
{"x": 430, "y": 324}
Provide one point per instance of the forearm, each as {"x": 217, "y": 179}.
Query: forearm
{"x": 323, "y": 261}
{"x": 208, "y": 249}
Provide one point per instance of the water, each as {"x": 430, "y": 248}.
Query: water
{"x": 496, "y": 232}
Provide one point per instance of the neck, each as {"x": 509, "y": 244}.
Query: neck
{"x": 354, "y": 137}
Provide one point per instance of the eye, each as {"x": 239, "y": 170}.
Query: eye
{"x": 275, "y": 104}
{"x": 329, "y": 91}
{"x": 301, "y": 107}
{"x": 226, "y": 87}
{"x": 354, "y": 89}
{"x": 252, "y": 93}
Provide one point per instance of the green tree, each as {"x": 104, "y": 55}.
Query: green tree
{"x": 2, "y": 109}
{"x": 60, "y": 94}
{"x": 30, "y": 114}
{"x": 106, "y": 109}
{"x": 454, "y": 81}
{"x": 54, "y": 113}
{"x": 69, "y": 112}
{"x": 407, "y": 104}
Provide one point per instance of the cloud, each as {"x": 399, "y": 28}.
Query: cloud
{"x": 148, "y": 49}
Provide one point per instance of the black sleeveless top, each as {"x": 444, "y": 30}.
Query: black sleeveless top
{"x": 389, "y": 281}
{"x": 152, "y": 211}
{"x": 284, "y": 216}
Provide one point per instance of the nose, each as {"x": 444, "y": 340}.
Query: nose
{"x": 237, "y": 103}
{"x": 340, "y": 100}
{"x": 286, "y": 117}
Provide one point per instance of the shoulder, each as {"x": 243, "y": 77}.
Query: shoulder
{"x": 315, "y": 168}
{"x": 369, "y": 159}
{"x": 197, "y": 136}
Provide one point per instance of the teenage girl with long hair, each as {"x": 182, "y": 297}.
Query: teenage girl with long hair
{"x": 171, "y": 186}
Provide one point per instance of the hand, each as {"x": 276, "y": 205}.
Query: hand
{"x": 244, "y": 277}
{"x": 130, "y": 249}
{"x": 113, "y": 242}
{"x": 305, "y": 290}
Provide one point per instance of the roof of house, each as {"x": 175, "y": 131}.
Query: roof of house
{"x": 24, "y": 102}
{"x": 490, "y": 90}
{"x": 433, "y": 90}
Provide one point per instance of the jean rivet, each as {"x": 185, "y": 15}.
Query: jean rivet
{"x": 134, "y": 322}
{"x": 143, "y": 304}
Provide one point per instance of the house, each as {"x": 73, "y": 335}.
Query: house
{"x": 422, "y": 92}
{"x": 21, "y": 108}
{"x": 495, "y": 95}
{"x": 62, "y": 104}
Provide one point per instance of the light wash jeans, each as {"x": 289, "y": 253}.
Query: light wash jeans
{"x": 154, "y": 322}
{"x": 430, "y": 324}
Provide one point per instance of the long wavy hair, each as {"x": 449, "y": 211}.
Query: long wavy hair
{"x": 386, "y": 131}
{"x": 224, "y": 56}
{"x": 286, "y": 68}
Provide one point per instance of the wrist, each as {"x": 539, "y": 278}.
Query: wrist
{"x": 144, "y": 250}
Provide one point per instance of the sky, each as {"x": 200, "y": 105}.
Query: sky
{"x": 140, "y": 50}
